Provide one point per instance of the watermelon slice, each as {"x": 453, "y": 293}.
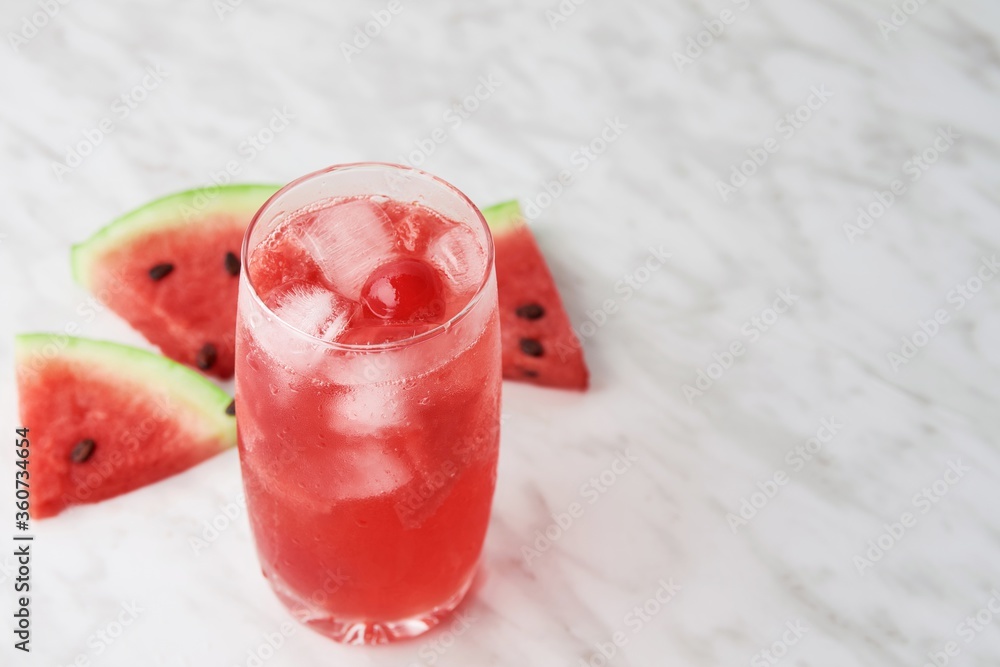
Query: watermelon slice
{"x": 538, "y": 342}
{"x": 170, "y": 269}
{"x": 105, "y": 419}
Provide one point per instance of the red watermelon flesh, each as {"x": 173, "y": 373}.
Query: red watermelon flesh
{"x": 105, "y": 419}
{"x": 539, "y": 345}
{"x": 171, "y": 270}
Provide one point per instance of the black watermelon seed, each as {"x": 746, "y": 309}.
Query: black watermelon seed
{"x": 232, "y": 264}
{"x": 231, "y": 408}
{"x": 160, "y": 271}
{"x": 82, "y": 450}
{"x": 532, "y": 347}
{"x": 528, "y": 373}
{"x": 530, "y": 311}
{"x": 206, "y": 357}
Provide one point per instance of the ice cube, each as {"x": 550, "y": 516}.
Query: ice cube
{"x": 376, "y": 333}
{"x": 415, "y": 227}
{"x": 372, "y": 471}
{"x": 312, "y": 309}
{"x": 365, "y": 418}
{"x": 369, "y": 408}
{"x": 348, "y": 240}
{"x": 458, "y": 254}
{"x": 352, "y": 470}
{"x": 279, "y": 259}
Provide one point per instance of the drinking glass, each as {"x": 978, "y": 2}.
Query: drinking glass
{"x": 368, "y": 469}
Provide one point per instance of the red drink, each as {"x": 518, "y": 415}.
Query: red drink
{"x": 368, "y": 389}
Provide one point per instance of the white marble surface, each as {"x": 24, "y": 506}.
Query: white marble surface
{"x": 824, "y": 360}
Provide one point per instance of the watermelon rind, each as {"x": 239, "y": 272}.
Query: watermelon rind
{"x": 504, "y": 216}
{"x": 205, "y": 403}
{"x": 174, "y": 210}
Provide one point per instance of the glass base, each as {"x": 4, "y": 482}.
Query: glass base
{"x": 360, "y": 632}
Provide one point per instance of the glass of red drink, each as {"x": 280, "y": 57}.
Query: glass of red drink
{"x": 368, "y": 397}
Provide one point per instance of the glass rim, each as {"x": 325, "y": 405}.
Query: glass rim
{"x": 389, "y": 345}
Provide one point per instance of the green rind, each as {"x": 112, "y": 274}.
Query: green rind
{"x": 504, "y": 217}
{"x": 205, "y": 402}
{"x": 177, "y": 209}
